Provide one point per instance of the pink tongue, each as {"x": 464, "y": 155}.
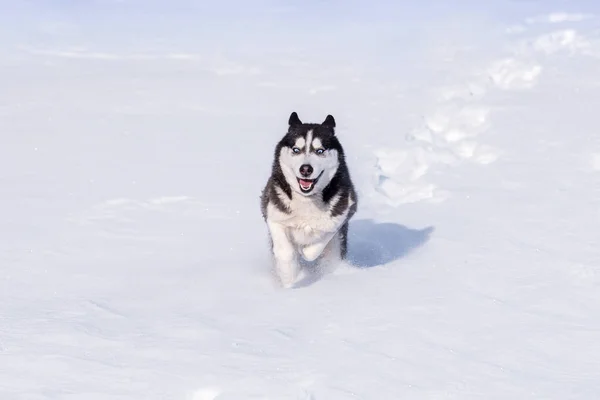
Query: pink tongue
{"x": 305, "y": 184}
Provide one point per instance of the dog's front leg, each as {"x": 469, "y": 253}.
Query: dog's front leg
{"x": 286, "y": 259}
{"x": 314, "y": 250}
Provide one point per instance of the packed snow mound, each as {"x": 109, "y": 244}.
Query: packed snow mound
{"x": 455, "y": 130}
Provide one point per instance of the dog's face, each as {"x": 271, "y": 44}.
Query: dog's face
{"x": 309, "y": 155}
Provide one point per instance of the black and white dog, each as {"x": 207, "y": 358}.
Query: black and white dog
{"x": 309, "y": 198}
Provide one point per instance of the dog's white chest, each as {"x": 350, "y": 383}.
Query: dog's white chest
{"x": 308, "y": 220}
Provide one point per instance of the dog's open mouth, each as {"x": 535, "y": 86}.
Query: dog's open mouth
{"x": 306, "y": 185}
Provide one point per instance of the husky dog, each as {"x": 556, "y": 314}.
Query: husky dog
{"x": 309, "y": 198}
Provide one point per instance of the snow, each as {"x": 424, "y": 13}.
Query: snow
{"x": 136, "y": 139}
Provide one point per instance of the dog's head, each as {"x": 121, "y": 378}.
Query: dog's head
{"x": 309, "y": 155}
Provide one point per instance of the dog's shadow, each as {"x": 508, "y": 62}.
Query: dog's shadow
{"x": 371, "y": 244}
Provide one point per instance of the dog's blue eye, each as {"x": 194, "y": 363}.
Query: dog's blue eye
{"x": 320, "y": 151}
{"x": 296, "y": 150}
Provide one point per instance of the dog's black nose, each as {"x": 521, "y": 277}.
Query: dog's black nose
{"x": 306, "y": 170}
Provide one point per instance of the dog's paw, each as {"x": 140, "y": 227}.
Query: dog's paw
{"x": 312, "y": 252}
{"x": 287, "y": 281}
{"x": 287, "y": 274}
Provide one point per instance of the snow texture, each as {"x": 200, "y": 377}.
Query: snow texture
{"x": 137, "y": 136}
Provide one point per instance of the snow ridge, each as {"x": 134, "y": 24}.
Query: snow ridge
{"x": 452, "y": 132}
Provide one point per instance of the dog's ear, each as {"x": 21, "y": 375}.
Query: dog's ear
{"x": 294, "y": 120}
{"x": 329, "y": 122}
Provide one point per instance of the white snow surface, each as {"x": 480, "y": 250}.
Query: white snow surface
{"x": 137, "y": 136}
